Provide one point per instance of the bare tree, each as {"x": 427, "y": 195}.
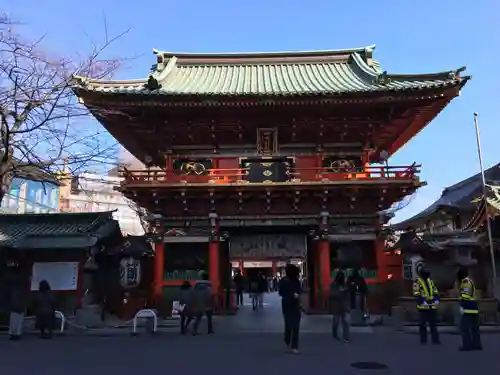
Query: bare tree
{"x": 42, "y": 125}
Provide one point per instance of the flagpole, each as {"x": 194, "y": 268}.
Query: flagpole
{"x": 485, "y": 195}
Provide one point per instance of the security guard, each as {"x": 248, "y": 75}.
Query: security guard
{"x": 427, "y": 298}
{"x": 469, "y": 310}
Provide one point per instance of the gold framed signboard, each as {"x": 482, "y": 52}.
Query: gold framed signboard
{"x": 267, "y": 141}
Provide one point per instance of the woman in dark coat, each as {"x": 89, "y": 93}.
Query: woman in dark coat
{"x": 338, "y": 296}
{"x": 290, "y": 290}
{"x": 45, "y": 307}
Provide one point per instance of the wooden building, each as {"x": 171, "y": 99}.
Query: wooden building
{"x": 452, "y": 231}
{"x": 57, "y": 247}
{"x": 249, "y": 151}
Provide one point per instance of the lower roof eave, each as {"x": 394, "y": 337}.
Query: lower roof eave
{"x": 93, "y": 98}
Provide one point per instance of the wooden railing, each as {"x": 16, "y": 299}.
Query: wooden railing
{"x": 225, "y": 176}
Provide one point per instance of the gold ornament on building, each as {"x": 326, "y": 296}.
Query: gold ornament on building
{"x": 196, "y": 168}
{"x": 267, "y": 173}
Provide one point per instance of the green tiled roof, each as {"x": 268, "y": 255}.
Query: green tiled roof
{"x": 279, "y": 73}
{"x": 47, "y": 230}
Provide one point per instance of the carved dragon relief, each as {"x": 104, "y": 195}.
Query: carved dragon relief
{"x": 266, "y": 245}
{"x": 192, "y": 167}
{"x": 351, "y": 164}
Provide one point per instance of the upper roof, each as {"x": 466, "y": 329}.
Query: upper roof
{"x": 461, "y": 195}
{"x": 68, "y": 230}
{"x": 276, "y": 73}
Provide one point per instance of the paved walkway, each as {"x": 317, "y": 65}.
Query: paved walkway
{"x": 270, "y": 319}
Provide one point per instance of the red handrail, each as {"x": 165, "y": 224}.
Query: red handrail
{"x": 227, "y": 175}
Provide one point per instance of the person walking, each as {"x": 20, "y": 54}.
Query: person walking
{"x": 289, "y": 289}
{"x": 469, "y": 310}
{"x": 427, "y": 298}
{"x": 254, "y": 291}
{"x": 202, "y": 303}
{"x": 275, "y": 283}
{"x": 17, "y": 309}
{"x": 338, "y": 296}
{"x": 262, "y": 288}
{"x": 239, "y": 283}
{"x": 45, "y": 308}
{"x": 358, "y": 290}
{"x": 184, "y": 306}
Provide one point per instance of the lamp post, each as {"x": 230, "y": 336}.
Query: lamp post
{"x": 485, "y": 192}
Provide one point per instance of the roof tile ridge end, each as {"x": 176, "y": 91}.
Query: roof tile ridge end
{"x": 444, "y": 75}
{"x": 84, "y": 81}
{"x": 163, "y": 73}
{"x": 363, "y": 65}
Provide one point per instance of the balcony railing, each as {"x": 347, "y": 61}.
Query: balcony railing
{"x": 297, "y": 175}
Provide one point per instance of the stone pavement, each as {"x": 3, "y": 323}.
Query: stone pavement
{"x": 232, "y": 349}
{"x": 241, "y": 353}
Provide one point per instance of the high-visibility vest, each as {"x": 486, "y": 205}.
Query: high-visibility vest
{"x": 426, "y": 293}
{"x": 468, "y": 299}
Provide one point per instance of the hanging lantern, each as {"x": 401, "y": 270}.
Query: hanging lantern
{"x": 130, "y": 272}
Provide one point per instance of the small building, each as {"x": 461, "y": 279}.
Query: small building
{"x": 451, "y": 232}
{"x": 62, "y": 248}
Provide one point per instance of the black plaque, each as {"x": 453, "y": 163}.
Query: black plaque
{"x": 273, "y": 170}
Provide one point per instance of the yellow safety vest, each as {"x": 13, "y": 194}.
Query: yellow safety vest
{"x": 468, "y": 299}
{"x": 424, "y": 294}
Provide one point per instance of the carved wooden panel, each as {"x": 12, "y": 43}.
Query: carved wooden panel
{"x": 348, "y": 164}
{"x": 272, "y": 170}
{"x": 191, "y": 166}
{"x": 267, "y": 245}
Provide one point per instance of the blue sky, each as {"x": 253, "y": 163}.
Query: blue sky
{"x": 411, "y": 37}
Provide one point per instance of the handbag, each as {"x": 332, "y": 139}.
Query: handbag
{"x": 178, "y": 307}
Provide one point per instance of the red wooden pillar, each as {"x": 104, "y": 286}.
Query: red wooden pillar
{"x": 214, "y": 264}
{"x": 324, "y": 262}
{"x": 158, "y": 269}
{"x": 324, "y": 267}
{"x": 214, "y": 259}
{"x": 382, "y": 260}
{"x": 274, "y": 268}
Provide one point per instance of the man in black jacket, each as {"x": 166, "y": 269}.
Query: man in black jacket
{"x": 290, "y": 290}
{"x": 358, "y": 290}
{"x": 239, "y": 283}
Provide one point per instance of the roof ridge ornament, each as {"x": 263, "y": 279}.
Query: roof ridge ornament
{"x": 153, "y": 84}
{"x": 383, "y": 79}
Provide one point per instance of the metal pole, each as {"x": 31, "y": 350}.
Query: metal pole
{"x": 485, "y": 192}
